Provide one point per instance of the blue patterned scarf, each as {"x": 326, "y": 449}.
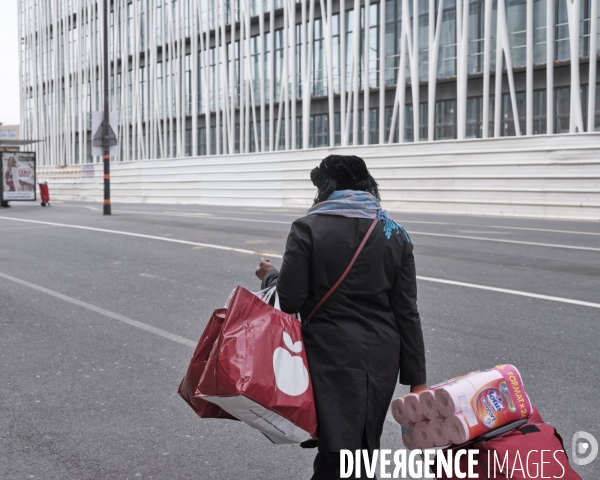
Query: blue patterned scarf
{"x": 357, "y": 204}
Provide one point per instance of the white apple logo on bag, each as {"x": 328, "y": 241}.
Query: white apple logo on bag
{"x": 291, "y": 376}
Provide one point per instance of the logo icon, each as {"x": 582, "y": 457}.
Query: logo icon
{"x": 291, "y": 375}
{"x": 490, "y": 406}
{"x": 585, "y": 448}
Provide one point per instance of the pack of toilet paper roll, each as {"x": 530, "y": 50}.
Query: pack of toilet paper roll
{"x": 463, "y": 408}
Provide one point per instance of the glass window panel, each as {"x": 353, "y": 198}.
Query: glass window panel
{"x": 373, "y": 126}
{"x": 445, "y": 120}
{"x": 423, "y": 116}
{"x": 562, "y": 106}
{"x": 282, "y": 136}
{"x": 508, "y": 122}
{"x": 597, "y": 122}
{"x": 408, "y": 124}
{"x": 393, "y": 39}
{"x": 447, "y": 52}
{"x": 539, "y": 112}
{"x": 474, "y": 117}
{"x": 423, "y": 42}
{"x": 268, "y": 67}
{"x": 202, "y": 141}
{"x": 476, "y": 36}
{"x": 374, "y": 46}
{"x": 539, "y": 32}
{"x": 516, "y": 19}
{"x": 561, "y": 32}
{"x": 299, "y": 131}
{"x": 349, "y": 54}
{"x": 319, "y": 65}
{"x": 188, "y": 142}
{"x": 584, "y": 28}
{"x": 388, "y": 120}
{"x": 335, "y": 41}
{"x": 213, "y": 140}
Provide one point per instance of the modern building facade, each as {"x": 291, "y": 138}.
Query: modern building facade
{"x": 9, "y": 132}
{"x": 213, "y": 77}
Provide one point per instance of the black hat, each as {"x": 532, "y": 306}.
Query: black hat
{"x": 342, "y": 172}
{"x": 346, "y": 170}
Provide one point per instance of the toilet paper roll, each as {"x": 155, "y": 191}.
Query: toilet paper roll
{"x": 487, "y": 400}
{"x": 438, "y": 432}
{"x": 413, "y": 407}
{"x": 428, "y": 404}
{"x": 421, "y": 433}
{"x": 457, "y": 429}
{"x": 399, "y": 411}
{"x": 408, "y": 437}
{"x": 451, "y": 399}
{"x": 481, "y": 402}
{"x": 480, "y": 379}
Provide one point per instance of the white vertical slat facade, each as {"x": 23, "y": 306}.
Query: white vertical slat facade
{"x": 224, "y": 77}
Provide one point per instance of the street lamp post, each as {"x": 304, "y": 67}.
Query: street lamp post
{"x": 106, "y": 122}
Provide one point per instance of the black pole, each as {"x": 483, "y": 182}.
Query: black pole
{"x": 106, "y": 123}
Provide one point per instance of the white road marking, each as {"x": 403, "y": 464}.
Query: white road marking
{"x": 273, "y": 255}
{"x": 512, "y": 292}
{"x": 477, "y": 225}
{"x": 498, "y": 240}
{"x": 274, "y": 210}
{"x": 190, "y": 214}
{"x": 23, "y": 228}
{"x": 201, "y": 216}
{"x": 218, "y": 218}
{"x": 139, "y": 235}
{"x": 255, "y": 221}
{"x": 148, "y": 275}
{"x": 546, "y": 230}
{"x": 102, "y": 311}
{"x": 486, "y": 232}
{"x": 442, "y": 223}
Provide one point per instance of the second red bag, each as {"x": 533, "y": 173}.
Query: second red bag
{"x": 257, "y": 371}
{"x": 187, "y": 388}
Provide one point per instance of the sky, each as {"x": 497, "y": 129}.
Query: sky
{"x": 9, "y": 62}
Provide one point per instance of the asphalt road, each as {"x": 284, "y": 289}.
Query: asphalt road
{"x": 85, "y": 395}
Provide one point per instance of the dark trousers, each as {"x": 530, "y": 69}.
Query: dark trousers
{"x": 327, "y": 465}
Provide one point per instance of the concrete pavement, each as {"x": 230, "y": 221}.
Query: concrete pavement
{"x": 87, "y": 396}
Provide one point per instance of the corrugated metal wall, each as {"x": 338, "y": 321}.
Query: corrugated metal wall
{"x": 543, "y": 176}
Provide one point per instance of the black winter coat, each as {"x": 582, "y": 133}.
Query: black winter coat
{"x": 366, "y": 333}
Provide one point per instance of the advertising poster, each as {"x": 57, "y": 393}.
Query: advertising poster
{"x": 18, "y": 176}
{"x": 88, "y": 170}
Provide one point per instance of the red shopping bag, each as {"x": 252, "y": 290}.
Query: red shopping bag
{"x": 189, "y": 384}
{"x": 258, "y": 373}
{"x": 518, "y": 453}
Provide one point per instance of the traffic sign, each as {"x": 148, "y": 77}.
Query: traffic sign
{"x": 98, "y": 134}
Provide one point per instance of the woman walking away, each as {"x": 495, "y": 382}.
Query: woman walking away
{"x": 368, "y": 331}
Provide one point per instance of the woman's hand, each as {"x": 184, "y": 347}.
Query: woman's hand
{"x": 418, "y": 388}
{"x": 263, "y": 267}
